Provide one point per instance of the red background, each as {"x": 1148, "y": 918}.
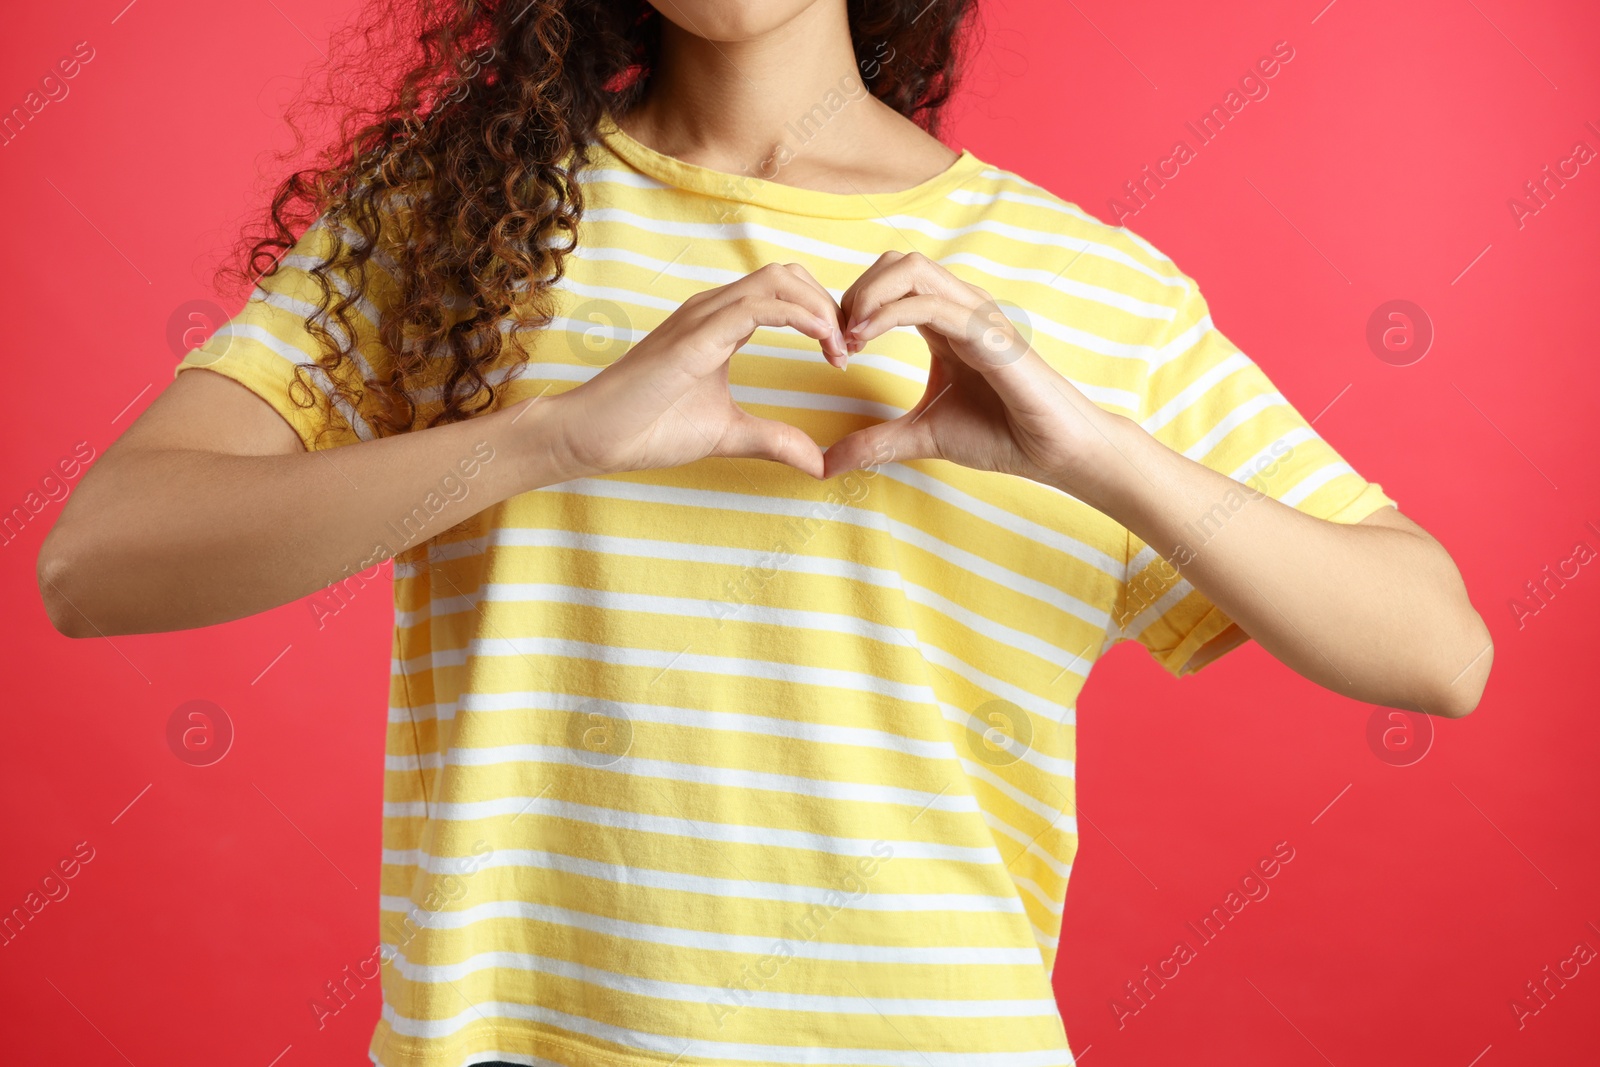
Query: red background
{"x": 1379, "y": 167}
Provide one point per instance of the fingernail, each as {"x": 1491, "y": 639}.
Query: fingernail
{"x": 858, "y": 327}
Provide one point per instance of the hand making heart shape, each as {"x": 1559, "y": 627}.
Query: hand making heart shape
{"x": 991, "y": 402}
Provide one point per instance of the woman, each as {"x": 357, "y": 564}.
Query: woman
{"x": 748, "y": 558}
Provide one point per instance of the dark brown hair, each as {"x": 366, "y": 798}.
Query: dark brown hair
{"x": 475, "y": 116}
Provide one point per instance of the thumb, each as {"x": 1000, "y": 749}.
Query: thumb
{"x": 897, "y": 440}
{"x": 756, "y": 438}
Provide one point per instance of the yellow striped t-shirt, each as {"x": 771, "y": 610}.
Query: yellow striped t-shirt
{"x": 725, "y": 765}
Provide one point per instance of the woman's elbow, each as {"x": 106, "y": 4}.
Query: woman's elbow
{"x": 59, "y": 569}
{"x": 1464, "y": 675}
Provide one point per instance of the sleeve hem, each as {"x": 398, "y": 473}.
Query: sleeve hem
{"x": 1212, "y": 623}
{"x": 268, "y": 391}
{"x": 1370, "y": 499}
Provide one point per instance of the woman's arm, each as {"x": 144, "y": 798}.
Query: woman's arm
{"x": 209, "y": 508}
{"x": 1374, "y": 610}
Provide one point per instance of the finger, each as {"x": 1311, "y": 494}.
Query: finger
{"x": 731, "y": 325}
{"x": 792, "y": 282}
{"x": 908, "y": 437}
{"x": 935, "y": 312}
{"x": 911, "y": 274}
{"x": 756, "y": 438}
{"x": 848, "y": 298}
{"x": 829, "y": 304}
{"x": 840, "y": 355}
{"x": 983, "y": 336}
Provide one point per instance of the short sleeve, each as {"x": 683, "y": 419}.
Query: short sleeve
{"x": 1210, "y": 402}
{"x": 272, "y": 335}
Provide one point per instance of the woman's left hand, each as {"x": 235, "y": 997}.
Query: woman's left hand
{"x": 991, "y": 403}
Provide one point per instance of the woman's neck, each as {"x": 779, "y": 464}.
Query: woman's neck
{"x": 787, "y": 105}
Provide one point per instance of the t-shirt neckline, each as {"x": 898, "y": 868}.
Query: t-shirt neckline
{"x": 748, "y": 189}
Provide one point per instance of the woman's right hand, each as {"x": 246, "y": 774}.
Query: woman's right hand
{"x": 666, "y": 402}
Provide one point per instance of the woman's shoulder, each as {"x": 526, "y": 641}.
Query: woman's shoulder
{"x": 1003, "y": 201}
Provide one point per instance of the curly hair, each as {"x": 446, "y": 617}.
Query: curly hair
{"x": 477, "y": 116}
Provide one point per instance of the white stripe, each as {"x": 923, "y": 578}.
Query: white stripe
{"x": 674, "y": 826}
{"x": 696, "y": 773}
{"x": 295, "y": 356}
{"x": 1047, "y": 200}
{"x": 1070, "y": 509}
{"x": 1314, "y": 481}
{"x": 1030, "y": 755}
{"x": 663, "y": 659}
{"x": 696, "y": 718}
{"x": 737, "y": 666}
{"x": 1026, "y": 699}
{"x": 1195, "y": 390}
{"x": 1181, "y": 344}
{"x": 1031, "y": 237}
{"x": 1270, "y": 455}
{"x": 1100, "y": 394}
{"x": 719, "y": 1050}
{"x": 1031, "y": 847}
{"x": 1033, "y": 889}
{"x": 711, "y": 276}
{"x": 1153, "y": 612}
{"x": 790, "y": 618}
{"x": 1042, "y": 197}
{"x": 732, "y": 231}
{"x": 1232, "y": 421}
{"x": 703, "y": 995}
{"x": 746, "y": 559}
{"x": 1052, "y": 816}
{"x": 709, "y": 940}
{"x": 618, "y": 489}
{"x": 703, "y": 885}
{"x": 595, "y": 174}
{"x": 1096, "y": 294}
